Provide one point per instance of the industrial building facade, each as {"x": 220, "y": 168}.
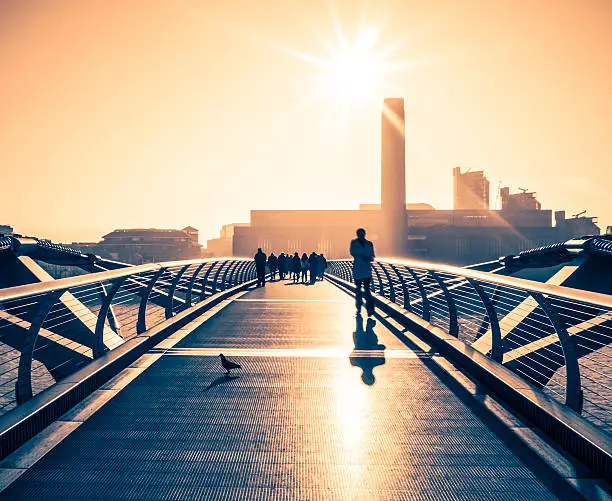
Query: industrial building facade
{"x": 452, "y": 236}
{"x": 468, "y": 234}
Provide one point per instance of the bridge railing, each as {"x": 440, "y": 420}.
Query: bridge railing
{"x": 556, "y": 338}
{"x": 51, "y": 329}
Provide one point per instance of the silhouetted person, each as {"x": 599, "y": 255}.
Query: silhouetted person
{"x": 272, "y": 265}
{"x": 362, "y": 251}
{"x": 287, "y": 264}
{"x": 282, "y": 264}
{"x": 228, "y": 365}
{"x": 304, "y": 266}
{"x": 366, "y": 341}
{"x": 296, "y": 265}
{"x": 260, "y": 267}
{"x": 322, "y": 265}
{"x": 313, "y": 260}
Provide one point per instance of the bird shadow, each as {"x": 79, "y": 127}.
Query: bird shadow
{"x": 220, "y": 380}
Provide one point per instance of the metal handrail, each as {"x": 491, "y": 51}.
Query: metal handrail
{"x": 20, "y": 291}
{"x": 528, "y": 285}
{"x": 550, "y": 335}
{"x": 64, "y": 324}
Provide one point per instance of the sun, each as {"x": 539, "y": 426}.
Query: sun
{"x": 353, "y": 72}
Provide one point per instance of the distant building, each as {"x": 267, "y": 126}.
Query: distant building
{"x": 453, "y": 236}
{"x": 137, "y": 246}
{"x": 222, "y": 246}
{"x": 519, "y": 201}
{"x": 414, "y": 206}
{"x": 576, "y": 226}
{"x": 5, "y": 229}
{"x": 470, "y": 190}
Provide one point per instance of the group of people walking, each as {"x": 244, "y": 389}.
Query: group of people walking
{"x": 307, "y": 269}
{"x": 310, "y": 268}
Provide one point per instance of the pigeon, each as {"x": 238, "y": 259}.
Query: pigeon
{"x": 228, "y": 365}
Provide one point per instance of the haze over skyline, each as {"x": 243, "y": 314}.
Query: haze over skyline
{"x": 166, "y": 114}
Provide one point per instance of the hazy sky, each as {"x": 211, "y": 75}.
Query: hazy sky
{"x": 168, "y": 113}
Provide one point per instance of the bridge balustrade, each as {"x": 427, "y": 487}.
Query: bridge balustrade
{"x": 49, "y": 330}
{"x": 555, "y": 338}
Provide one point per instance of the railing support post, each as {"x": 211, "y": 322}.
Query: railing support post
{"x": 229, "y": 275}
{"x": 573, "y": 387}
{"x": 405, "y": 291}
{"x": 23, "y": 386}
{"x": 192, "y": 281}
{"x": 244, "y": 271}
{"x": 205, "y": 279}
{"x": 141, "y": 324}
{"x": 216, "y": 277}
{"x": 424, "y": 299}
{"x": 173, "y": 286}
{"x": 390, "y": 282}
{"x": 497, "y": 347}
{"x": 378, "y": 279}
{"x": 98, "y": 347}
{"x": 453, "y": 324}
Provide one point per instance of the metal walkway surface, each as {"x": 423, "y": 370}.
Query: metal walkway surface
{"x": 323, "y": 409}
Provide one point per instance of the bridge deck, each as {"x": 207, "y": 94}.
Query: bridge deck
{"x": 299, "y": 422}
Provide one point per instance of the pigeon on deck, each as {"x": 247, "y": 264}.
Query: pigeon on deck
{"x": 228, "y": 365}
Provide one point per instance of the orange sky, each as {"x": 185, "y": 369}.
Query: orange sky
{"x": 168, "y": 113}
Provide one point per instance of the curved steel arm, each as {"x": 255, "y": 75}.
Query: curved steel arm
{"x": 239, "y": 274}
{"x": 405, "y": 291}
{"x": 23, "y": 386}
{"x": 378, "y": 279}
{"x": 216, "y": 277}
{"x": 497, "y": 348}
{"x": 141, "y": 325}
{"x": 192, "y": 282}
{"x": 348, "y": 272}
{"x": 390, "y": 282}
{"x": 249, "y": 271}
{"x": 228, "y": 275}
{"x": 204, "y": 282}
{"x": 172, "y": 290}
{"x": 99, "y": 348}
{"x": 113, "y": 321}
{"x": 573, "y": 388}
{"x": 426, "y": 315}
{"x": 453, "y": 324}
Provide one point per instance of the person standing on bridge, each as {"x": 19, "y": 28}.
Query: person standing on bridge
{"x": 272, "y": 266}
{"x": 296, "y": 265}
{"x": 322, "y": 266}
{"x": 304, "y": 267}
{"x": 260, "y": 267}
{"x": 362, "y": 251}
{"x": 282, "y": 264}
{"x": 313, "y": 260}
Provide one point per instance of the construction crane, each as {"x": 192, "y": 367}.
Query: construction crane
{"x": 499, "y": 185}
{"x": 579, "y": 214}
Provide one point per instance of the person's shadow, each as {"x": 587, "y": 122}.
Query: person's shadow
{"x": 367, "y": 341}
